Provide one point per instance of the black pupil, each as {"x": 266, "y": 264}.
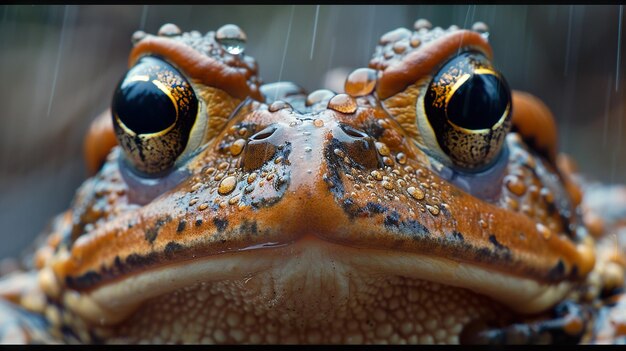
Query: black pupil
{"x": 479, "y": 102}
{"x": 143, "y": 107}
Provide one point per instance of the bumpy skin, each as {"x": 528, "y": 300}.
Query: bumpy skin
{"x": 324, "y": 219}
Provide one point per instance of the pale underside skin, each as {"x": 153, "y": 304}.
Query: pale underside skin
{"x": 310, "y": 291}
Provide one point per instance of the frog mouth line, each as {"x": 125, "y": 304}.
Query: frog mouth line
{"x": 112, "y": 303}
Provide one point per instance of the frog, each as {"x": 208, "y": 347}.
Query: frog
{"x": 427, "y": 203}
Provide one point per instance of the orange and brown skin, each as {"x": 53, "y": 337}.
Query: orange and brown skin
{"x": 340, "y": 200}
{"x": 355, "y": 178}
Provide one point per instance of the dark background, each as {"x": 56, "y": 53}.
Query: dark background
{"x": 59, "y": 65}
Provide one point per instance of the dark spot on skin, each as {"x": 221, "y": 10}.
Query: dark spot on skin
{"x": 68, "y": 332}
{"x": 249, "y": 228}
{"x": 494, "y": 241}
{"x": 413, "y": 228}
{"x": 458, "y": 236}
{"x": 152, "y": 233}
{"x": 551, "y": 209}
{"x": 135, "y": 260}
{"x": 220, "y": 223}
{"x": 491, "y": 256}
{"x": 392, "y": 219}
{"x": 574, "y": 272}
{"x": 410, "y": 227}
{"x": 349, "y": 207}
{"x": 181, "y": 226}
{"x": 335, "y": 167}
{"x": 374, "y": 207}
{"x": 87, "y": 279}
{"x": 171, "y": 248}
{"x": 198, "y": 222}
{"x": 371, "y": 208}
{"x": 550, "y": 330}
{"x": 557, "y": 272}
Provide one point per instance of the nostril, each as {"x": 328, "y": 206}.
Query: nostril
{"x": 264, "y": 134}
{"x": 350, "y": 131}
{"x": 261, "y": 147}
{"x": 358, "y": 145}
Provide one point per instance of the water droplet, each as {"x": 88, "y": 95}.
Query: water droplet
{"x": 533, "y": 191}
{"x": 434, "y": 210}
{"x": 318, "y": 123}
{"x": 252, "y": 177}
{"x": 377, "y": 175}
{"x": 169, "y": 30}
{"x": 237, "y": 146}
{"x": 360, "y": 82}
{"x": 203, "y": 206}
{"x": 387, "y": 185}
{"x": 196, "y": 186}
{"x": 400, "y": 46}
{"x": 530, "y": 162}
{"x": 395, "y": 35}
{"x": 415, "y": 41}
{"x": 382, "y": 148}
{"x": 319, "y": 95}
{"x": 512, "y": 203}
{"x": 388, "y": 161}
{"x": 515, "y": 184}
{"x": 232, "y": 38}
{"x": 545, "y": 232}
{"x": 233, "y": 200}
{"x": 193, "y": 201}
{"x": 343, "y": 103}
{"x": 401, "y": 158}
{"x": 422, "y": 24}
{"x": 481, "y": 28}
{"x": 227, "y": 185}
{"x": 223, "y": 166}
{"x": 482, "y": 223}
{"x": 416, "y": 193}
{"x": 307, "y": 149}
{"x": 528, "y": 210}
{"x": 279, "y": 105}
{"x": 547, "y": 195}
{"x": 137, "y": 36}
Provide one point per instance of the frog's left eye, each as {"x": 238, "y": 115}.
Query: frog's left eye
{"x": 154, "y": 109}
{"x": 467, "y": 108}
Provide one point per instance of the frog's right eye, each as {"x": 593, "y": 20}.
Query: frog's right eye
{"x": 154, "y": 109}
{"x": 466, "y": 112}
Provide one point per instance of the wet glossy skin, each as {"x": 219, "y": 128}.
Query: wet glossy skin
{"x": 312, "y": 218}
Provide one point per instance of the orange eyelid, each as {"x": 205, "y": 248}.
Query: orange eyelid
{"x": 197, "y": 66}
{"x": 99, "y": 141}
{"x": 534, "y": 121}
{"x": 421, "y": 62}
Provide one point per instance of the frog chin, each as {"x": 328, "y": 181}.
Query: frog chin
{"x": 305, "y": 271}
